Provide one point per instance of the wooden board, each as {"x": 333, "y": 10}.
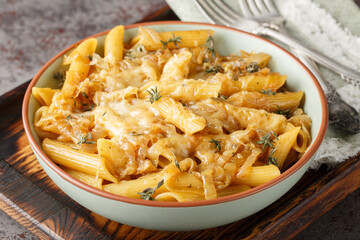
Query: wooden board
{"x": 32, "y": 199}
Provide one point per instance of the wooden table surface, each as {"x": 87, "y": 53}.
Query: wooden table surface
{"x": 32, "y": 199}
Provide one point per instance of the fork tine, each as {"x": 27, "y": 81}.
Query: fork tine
{"x": 270, "y": 5}
{"x": 228, "y": 11}
{"x": 262, "y": 6}
{"x": 210, "y": 14}
{"x": 245, "y": 8}
{"x": 253, "y": 8}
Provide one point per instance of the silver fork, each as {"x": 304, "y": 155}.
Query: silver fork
{"x": 341, "y": 115}
{"x": 217, "y": 11}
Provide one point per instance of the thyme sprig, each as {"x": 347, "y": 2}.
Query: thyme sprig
{"x": 135, "y": 134}
{"x": 217, "y": 145}
{"x": 84, "y": 95}
{"x": 252, "y": 67}
{"x": 210, "y": 49}
{"x": 146, "y": 194}
{"x": 60, "y": 77}
{"x": 285, "y": 112}
{"x": 271, "y": 159}
{"x": 267, "y": 141}
{"x": 267, "y": 92}
{"x": 154, "y": 94}
{"x": 176, "y": 162}
{"x": 85, "y": 139}
{"x": 214, "y": 70}
{"x": 174, "y": 40}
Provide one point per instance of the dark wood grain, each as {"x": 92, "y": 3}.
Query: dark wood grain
{"x": 30, "y": 197}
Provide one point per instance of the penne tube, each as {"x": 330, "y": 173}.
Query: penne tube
{"x": 261, "y": 58}
{"x": 114, "y": 46}
{"x": 85, "y": 162}
{"x": 86, "y": 178}
{"x": 252, "y": 82}
{"x": 131, "y": 188}
{"x": 283, "y": 145}
{"x": 83, "y": 50}
{"x": 232, "y": 190}
{"x": 153, "y": 40}
{"x": 257, "y": 118}
{"x": 187, "y": 90}
{"x": 259, "y": 175}
{"x": 271, "y": 102}
{"x": 176, "y": 114}
{"x": 44, "y": 95}
{"x": 179, "y": 197}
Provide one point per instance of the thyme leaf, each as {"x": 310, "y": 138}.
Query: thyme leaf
{"x": 60, "y": 77}
{"x": 252, "y": 67}
{"x": 267, "y": 92}
{"x": 286, "y": 112}
{"x": 272, "y": 160}
{"x": 89, "y": 108}
{"x": 135, "y": 134}
{"x": 174, "y": 40}
{"x": 217, "y": 145}
{"x": 68, "y": 117}
{"x": 154, "y": 94}
{"x": 146, "y": 194}
{"x": 215, "y": 69}
{"x": 85, "y": 139}
{"x": 223, "y": 96}
{"x": 84, "y": 94}
{"x": 267, "y": 141}
{"x": 210, "y": 49}
{"x": 90, "y": 57}
{"x": 176, "y": 162}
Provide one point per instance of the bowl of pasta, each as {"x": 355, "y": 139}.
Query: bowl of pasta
{"x": 174, "y": 125}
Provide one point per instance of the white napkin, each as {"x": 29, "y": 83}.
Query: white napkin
{"x": 327, "y": 27}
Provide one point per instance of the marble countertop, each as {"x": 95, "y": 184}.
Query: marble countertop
{"x": 33, "y": 31}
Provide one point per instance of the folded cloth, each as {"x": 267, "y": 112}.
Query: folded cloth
{"x": 327, "y": 27}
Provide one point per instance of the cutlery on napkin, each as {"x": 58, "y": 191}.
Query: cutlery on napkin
{"x": 321, "y": 25}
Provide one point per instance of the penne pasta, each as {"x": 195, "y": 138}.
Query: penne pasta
{"x": 114, "y": 46}
{"x": 85, "y": 162}
{"x": 166, "y": 117}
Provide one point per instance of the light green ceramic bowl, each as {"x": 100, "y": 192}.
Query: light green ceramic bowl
{"x": 199, "y": 214}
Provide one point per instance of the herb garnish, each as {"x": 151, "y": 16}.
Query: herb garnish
{"x": 271, "y": 159}
{"x": 174, "y": 40}
{"x": 68, "y": 117}
{"x": 286, "y": 112}
{"x": 223, "y": 97}
{"x": 176, "y": 161}
{"x": 90, "y": 107}
{"x": 85, "y": 139}
{"x": 214, "y": 69}
{"x": 154, "y": 94}
{"x": 146, "y": 194}
{"x": 267, "y": 92}
{"x": 84, "y": 94}
{"x": 210, "y": 49}
{"x": 60, "y": 77}
{"x": 90, "y": 57}
{"x": 252, "y": 67}
{"x": 104, "y": 113}
{"x": 217, "y": 145}
{"x": 135, "y": 134}
{"x": 267, "y": 141}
